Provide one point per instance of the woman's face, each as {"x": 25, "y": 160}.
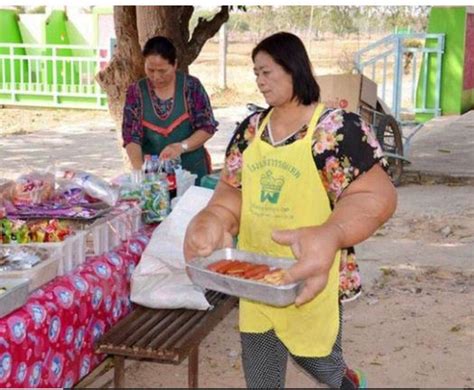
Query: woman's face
{"x": 160, "y": 72}
{"x": 275, "y": 84}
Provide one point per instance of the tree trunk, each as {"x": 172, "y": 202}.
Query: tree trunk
{"x": 126, "y": 65}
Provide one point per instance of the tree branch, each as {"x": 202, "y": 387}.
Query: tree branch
{"x": 204, "y": 30}
{"x": 185, "y": 17}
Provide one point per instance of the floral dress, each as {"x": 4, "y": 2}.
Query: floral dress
{"x": 197, "y": 100}
{"x": 344, "y": 147}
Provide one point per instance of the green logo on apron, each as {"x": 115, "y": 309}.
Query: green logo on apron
{"x": 270, "y": 187}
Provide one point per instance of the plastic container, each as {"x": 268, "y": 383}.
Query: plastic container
{"x": 210, "y": 181}
{"x": 109, "y": 231}
{"x": 123, "y": 226}
{"x": 257, "y": 291}
{"x": 15, "y": 295}
{"x": 68, "y": 253}
{"x": 73, "y": 252}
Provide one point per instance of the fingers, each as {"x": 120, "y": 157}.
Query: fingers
{"x": 228, "y": 241}
{"x": 166, "y": 154}
{"x": 170, "y": 152}
{"x": 284, "y": 237}
{"x": 312, "y": 287}
{"x": 289, "y": 238}
{"x": 302, "y": 269}
{"x": 201, "y": 242}
{"x": 197, "y": 246}
{"x": 191, "y": 252}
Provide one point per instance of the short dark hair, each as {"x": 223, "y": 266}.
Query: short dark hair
{"x": 289, "y": 52}
{"x": 161, "y": 46}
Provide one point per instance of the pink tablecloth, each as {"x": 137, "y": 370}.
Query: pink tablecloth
{"x": 49, "y": 341}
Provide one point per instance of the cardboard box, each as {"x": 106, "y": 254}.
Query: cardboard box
{"x": 347, "y": 91}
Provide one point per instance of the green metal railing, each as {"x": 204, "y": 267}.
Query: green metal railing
{"x": 51, "y": 75}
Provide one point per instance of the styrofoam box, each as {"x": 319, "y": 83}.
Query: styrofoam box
{"x": 38, "y": 275}
{"x": 109, "y": 231}
{"x": 15, "y": 295}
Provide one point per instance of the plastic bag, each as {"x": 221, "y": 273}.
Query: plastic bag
{"x": 160, "y": 280}
{"x": 33, "y": 188}
{"x": 6, "y": 190}
{"x": 93, "y": 185}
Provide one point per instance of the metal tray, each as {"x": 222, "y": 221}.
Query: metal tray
{"x": 257, "y": 291}
{"x": 15, "y": 295}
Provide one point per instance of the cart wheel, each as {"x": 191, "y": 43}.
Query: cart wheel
{"x": 390, "y": 138}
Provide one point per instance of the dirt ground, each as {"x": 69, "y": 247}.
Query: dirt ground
{"x": 412, "y": 327}
{"x": 399, "y": 334}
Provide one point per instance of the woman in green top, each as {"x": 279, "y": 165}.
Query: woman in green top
{"x": 168, "y": 113}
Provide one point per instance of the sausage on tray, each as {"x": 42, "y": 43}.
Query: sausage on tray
{"x": 244, "y": 269}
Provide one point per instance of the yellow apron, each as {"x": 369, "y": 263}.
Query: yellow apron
{"x": 281, "y": 189}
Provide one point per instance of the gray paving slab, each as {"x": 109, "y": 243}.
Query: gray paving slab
{"x": 444, "y": 146}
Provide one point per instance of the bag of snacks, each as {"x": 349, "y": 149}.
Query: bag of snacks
{"x": 33, "y": 188}
{"x": 93, "y": 185}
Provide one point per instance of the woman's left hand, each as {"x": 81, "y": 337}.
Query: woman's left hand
{"x": 171, "y": 151}
{"x": 315, "y": 248}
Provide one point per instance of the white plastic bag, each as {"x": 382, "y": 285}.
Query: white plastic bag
{"x": 160, "y": 280}
{"x": 93, "y": 185}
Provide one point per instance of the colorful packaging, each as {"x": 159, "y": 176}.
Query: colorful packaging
{"x": 5, "y": 230}
{"x": 33, "y": 188}
{"x": 21, "y": 232}
{"x": 155, "y": 200}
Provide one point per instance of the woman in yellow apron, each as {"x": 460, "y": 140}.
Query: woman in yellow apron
{"x": 275, "y": 197}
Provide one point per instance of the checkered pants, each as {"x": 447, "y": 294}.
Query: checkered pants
{"x": 264, "y": 359}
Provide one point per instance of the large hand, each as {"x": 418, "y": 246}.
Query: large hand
{"x": 171, "y": 151}
{"x": 205, "y": 234}
{"x": 315, "y": 249}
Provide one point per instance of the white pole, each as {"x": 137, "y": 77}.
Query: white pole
{"x": 223, "y": 56}
{"x": 310, "y": 29}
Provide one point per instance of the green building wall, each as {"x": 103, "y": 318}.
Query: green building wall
{"x": 11, "y": 34}
{"x": 454, "y": 98}
{"x": 468, "y": 88}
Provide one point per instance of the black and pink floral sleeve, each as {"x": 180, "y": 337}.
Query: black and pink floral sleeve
{"x": 132, "y": 130}
{"x": 199, "y": 105}
{"x": 344, "y": 147}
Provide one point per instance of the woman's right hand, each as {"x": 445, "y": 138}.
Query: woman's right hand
{"x": 205, "y": 234}
{"x": 213, "y": 227}
{"x": 171, "y": 151}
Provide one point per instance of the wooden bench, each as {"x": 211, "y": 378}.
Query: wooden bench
{"x": 164, "y": 335}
